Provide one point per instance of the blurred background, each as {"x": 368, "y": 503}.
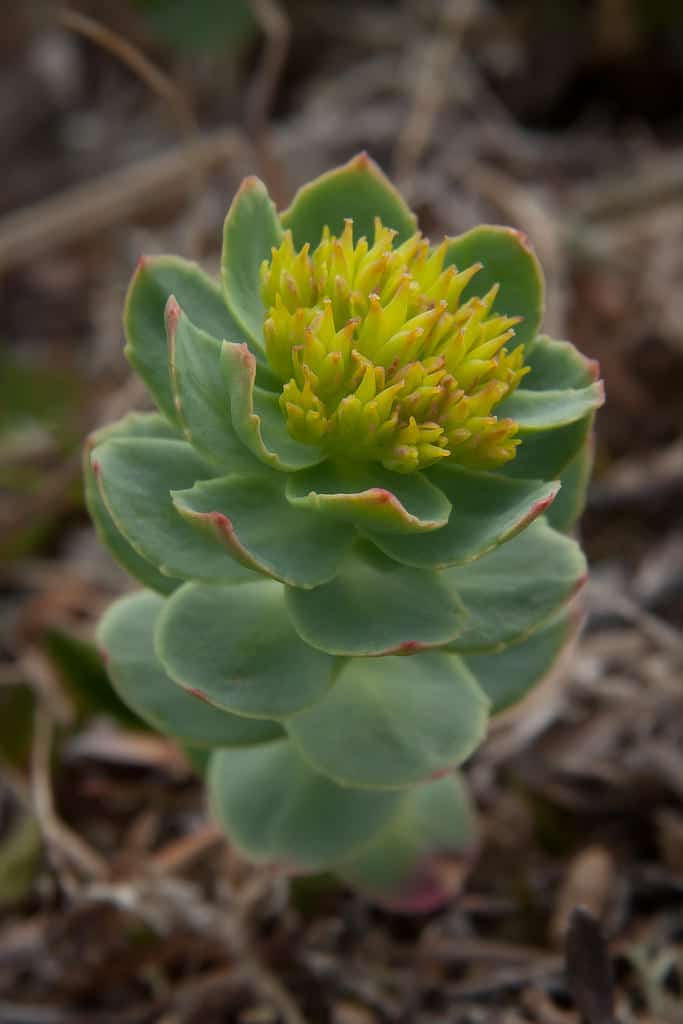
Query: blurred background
{"x": 126, "y": 127}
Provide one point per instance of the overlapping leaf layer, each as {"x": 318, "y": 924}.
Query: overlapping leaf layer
{"x": 334, "y": 606}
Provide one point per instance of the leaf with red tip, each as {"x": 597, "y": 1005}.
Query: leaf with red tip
{"x": 358, "y": 189}
{"x": 391, "y": 722}
{"x": 516, "y": 588}
{"x": 155, "y": 279}
{"x": 506, "y": 677}
{"x": 418, "y": 862}
{"x": 252, "y": 228}
{"x": 277, "y": 810}
{"x": 136, "y": 476}
{"x": 126, "y": 634}
{"x": 256, "y": 415}
{"x": 375, "y": 606}
{"x": 488, "y": 509}
{"x": 237, "y": 645}
{"x": 507, "y": 259}
{"x": 370, "y": 497}
{"x": 250, "y": 515}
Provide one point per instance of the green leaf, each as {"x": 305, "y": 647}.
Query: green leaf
{"x": 507, "y": 677}
{"x": 517, "y": 587}
{"x": 408, "y": 867}
{"x": 237, "y": 646}
{"x": 200, "y": 394}
{"x": 276, "y": 809}
{"x": 376, "y": 606}
{"x": 250, "y": 515}
{"x": 84, "y": 678}
{"x": 544, "y": 455}
{"x": 488, "y": 509}
{"x": 391, "y": 722}
{"x": 558, "y": 364}
{"x": 109, "y": 535}
{"x": 252, "y": 229}
{"x": 136, "y": 424}
{"x": 133, "y": 425}
{"x": 371, "y": 497}
{"x": 358, "y": 189}
{"x": 545, "y": 410}
{"x": 126, "y": 633}
{"x": 257, "y": 418}
{"x": 554, "y": 365}
{"x": 135, "y": 477}
{"x": 572, "y": 497}
{"x": 155, "y": 279}
{"x": 508, "y": 260}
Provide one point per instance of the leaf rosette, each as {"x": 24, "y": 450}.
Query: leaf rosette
{"x": 357, "y": 456}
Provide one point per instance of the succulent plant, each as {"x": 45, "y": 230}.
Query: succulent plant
{"x": 346, "y": 517}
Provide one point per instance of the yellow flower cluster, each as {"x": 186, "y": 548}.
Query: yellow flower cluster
{"x": 379, "y": 359}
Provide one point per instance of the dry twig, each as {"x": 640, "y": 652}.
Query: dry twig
{"x": 159, "y": 82}
{"x": 58, "y": 836}
{"x": 86, "y": 210}
{"x": 433, "y": 65}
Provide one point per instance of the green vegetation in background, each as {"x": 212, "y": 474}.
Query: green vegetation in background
{"x": 37, "y": 397}
{"x": 200, "y": 25}
{"x": 39, "y": 427}
{"x": 85, "y": 678}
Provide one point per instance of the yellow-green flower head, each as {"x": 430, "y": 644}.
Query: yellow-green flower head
{"x": 380, "y": 360}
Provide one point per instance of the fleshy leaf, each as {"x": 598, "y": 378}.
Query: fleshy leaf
{"x": 278, "y": 810}
{"x": 135, "y": 477}
{"x": 370, "y": 497}
{"x": 126, "y": 632}
{"x": 415, "y": 863}
{"x": 391, "y": 722}
{"x": 508, "y": 260}
{"x": 237, "y": 646}
{"x": 359, "y": 190}
{"x": 507, "y": 677}
{"x": 558, "y": 364}
{"x": 375, "y": 606}
{"x": 554, "y": 364}
{"x": 155, "y": 279}
{"x": 200, "y": 394}
{"x": 135, "y": 424}
{"x": 544, "y": 455}
{"x": 252, "y": 228}
{"x": 113, "y": 539}
{"x": 517, "y": 587}
{"x": 572, "y": 496}
{"x": 488, "y": 509}
{"x": 250, "y": 515}
{"x": 546, "y": 410}
{"x": 256, "y": 415}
